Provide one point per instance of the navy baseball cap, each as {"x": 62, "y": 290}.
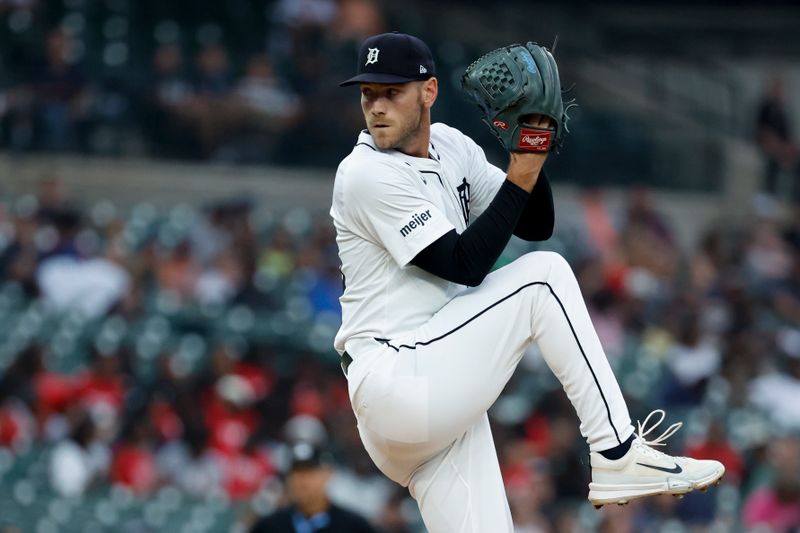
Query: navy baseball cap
{"x": 393, "y": 58}
{"x": 306, "y": 456}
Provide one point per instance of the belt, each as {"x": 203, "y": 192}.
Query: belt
{"x": 345, "y": 361}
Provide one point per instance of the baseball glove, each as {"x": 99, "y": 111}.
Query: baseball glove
{"x": 510, "y": 84}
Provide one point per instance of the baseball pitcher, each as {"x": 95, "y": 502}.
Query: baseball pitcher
{"x": 429, "y": 336}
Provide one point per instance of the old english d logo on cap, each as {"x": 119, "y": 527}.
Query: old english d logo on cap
{"x": 393, "y": 58}
{"x": 372, "y": 56}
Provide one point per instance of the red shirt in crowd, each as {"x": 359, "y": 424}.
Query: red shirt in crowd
{"x": 93, "y": 390}
{"x": 135, "y": 468}
{"x": 243, "y": 473}
{"x": 229, "y": 428}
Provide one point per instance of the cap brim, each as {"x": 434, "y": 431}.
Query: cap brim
{"x": 305, "y": 465}
{"x": 372, "y": 77}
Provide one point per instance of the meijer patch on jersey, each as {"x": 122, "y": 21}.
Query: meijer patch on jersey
{"x": 417, "y": 220}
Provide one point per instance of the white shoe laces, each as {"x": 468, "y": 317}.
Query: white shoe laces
{"x": 659, "y": 441}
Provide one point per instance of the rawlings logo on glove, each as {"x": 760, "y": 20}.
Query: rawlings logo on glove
{"x": 534, "y": 140}
{"x": 512, "y": 83}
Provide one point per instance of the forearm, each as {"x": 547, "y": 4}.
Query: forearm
{"x": 538, "y": 218}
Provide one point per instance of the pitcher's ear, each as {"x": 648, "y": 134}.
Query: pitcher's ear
{"x": 430, "y": 90}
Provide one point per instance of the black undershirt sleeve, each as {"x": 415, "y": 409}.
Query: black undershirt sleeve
{"x": 537, "y": 219}
{"x": 468, "y": 258}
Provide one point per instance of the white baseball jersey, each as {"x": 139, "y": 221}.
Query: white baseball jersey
{"x": 387, "y": 207}
{"x": 429, "y": 357}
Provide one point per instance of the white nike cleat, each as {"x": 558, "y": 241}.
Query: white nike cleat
{"x": 644, "y": 471}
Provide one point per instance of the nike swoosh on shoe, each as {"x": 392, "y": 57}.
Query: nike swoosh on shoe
{"x": 676, "y": 470}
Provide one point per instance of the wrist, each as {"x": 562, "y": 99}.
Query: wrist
{"x": 524, "y": 170}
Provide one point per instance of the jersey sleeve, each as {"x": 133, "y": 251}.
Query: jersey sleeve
{"x": 388, "y": 206}
{"x": 485, "y": 177}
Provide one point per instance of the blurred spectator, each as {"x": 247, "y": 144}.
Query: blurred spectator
{"x": 177, "y": 272}
{"x": 392, "y": 519}
{"x": 291, "y": 19}
{"x": 775, "y": 392}
{"x": 267, "y": 108}
{"x": 220, "y": 283}
{"x": 784, "y": 293}
{"x": 229, "y": 414}
{"x": 90, "y": 285}
{"x": 692, "y": 361}
{"x": 17, "y": 117}
{"x": 212, "y": 77}
{"x": 18, "y": 399}
{"x": 61, "y": 95}
{"x": 210, "y": 112}
{"x": 169, "y": 91}
{"x": 134, "y": 463}
{"x": 50, "y": 198}
{"x": 277, "y": 259}
{"x": 357, "y": 19}
{"x": 618, "y": 519}
{"x": 245, "y": 471}
{"x": 60, "y": 236}
{"x": 101, "y": 390}
{"x": 309, "y": 507}
{"x": 79, "y": 461}
{"x": 648, "y": 246}
{"x": 776, "y": 508}
{"x": 305, "y": 428}
{"x": 699, "y": 510}
{"x": 316, "y": 391}
{"x": 17, "y": 425}
{"x": 19, "y": 258}
{"x": 210, "y": 235}
{"x": 608, "y": 320}
{"x": 248, "y": 381}
{"x": 642, "y": 212}
{"x": 55, "y": 396}
{"x": 326, "y": 288}
{"x": 262, "y": 94}
{"x": 654, "y": 514}
{"x": 529, "y": 487}
{"x": 775, "y": 138}
{"x": 768, "y": 256}
{"x": 565, "y": 468}
{"x": 599, "y": 225}
{"x": 189, "y": 464}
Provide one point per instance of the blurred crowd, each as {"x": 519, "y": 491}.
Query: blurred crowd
{"x": 711, "y": 334}
{"x": 203, "y": 407}
{"x": 270, "y": 99}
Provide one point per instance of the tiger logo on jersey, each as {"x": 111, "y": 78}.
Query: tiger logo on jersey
{"x": 463, "y": 196}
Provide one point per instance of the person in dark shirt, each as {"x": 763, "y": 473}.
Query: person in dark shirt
{"x": 61, "y": 95}
{"x": 310, "y": 510}
{"x": 774, "y": 136}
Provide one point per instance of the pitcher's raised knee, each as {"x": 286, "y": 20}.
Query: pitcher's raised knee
{"x": 541, "y": 266}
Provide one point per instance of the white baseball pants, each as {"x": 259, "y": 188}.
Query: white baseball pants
{"x": 421, "y": 399}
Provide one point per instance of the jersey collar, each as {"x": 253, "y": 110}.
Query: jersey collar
{"x": 433, "y": 156}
